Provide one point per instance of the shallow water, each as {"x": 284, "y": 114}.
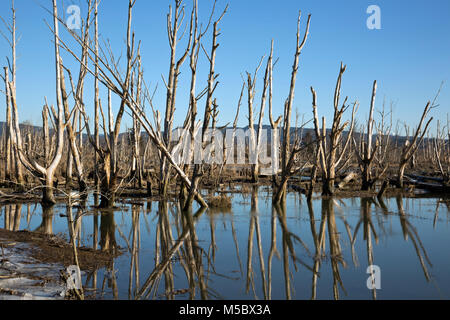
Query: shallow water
{"x": 303, "y": 251}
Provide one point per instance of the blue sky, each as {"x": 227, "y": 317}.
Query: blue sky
{"x": 409, "y": 56}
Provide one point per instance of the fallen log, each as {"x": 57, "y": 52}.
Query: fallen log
{"x": 424, "y": 178}
{"x": 428, "y": 186}
{"x": 349, "y": 177}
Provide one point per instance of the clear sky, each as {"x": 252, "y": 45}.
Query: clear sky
{"x": 409, "y": 56}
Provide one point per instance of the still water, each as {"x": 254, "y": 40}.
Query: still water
{"x": 317, "y": 250}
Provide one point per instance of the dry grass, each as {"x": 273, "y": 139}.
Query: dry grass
{"x": 221, "y": 201}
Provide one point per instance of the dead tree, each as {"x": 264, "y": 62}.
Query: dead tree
{"x": 274, "y": 124}
{"x": 255, "y": 137}
{"x": 411, "y": 147}
{"x": 45, "y": 173}
{"x": 15, "y": 167}
{"x": 229, "y": 148}
{"x": 441, "y": 157}
{"x": 251, "y": 91}
{"x": 46, "y": 135}
{"x": 329, "y": 158}
{"x": 286, "y": 140}
{"x": 384, "y": 141}
{"x": 367, "y": 152}
{"x": 292, "y": 168}
{"x": 289, "y": 154}
{"x": 74, "y": 155}
{"x": 267, "y": 79}
{"x": 71, "y": 115}
{"x": 9, "y": 130}
{"x": 193, "y": 100}
{"x": 109, "y": 75}
{"x": 96, "y": 95}
{"x": 211, "y": 87}
{"x": 137, "y": 165}
{"x": 75, "y": 149}
{"x": 109, "y": 171}
{"x": 172, "y": 83}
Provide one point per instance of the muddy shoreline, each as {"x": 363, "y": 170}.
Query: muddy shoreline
{"x": 52, "y": 249}
{"x": 31, "y": 264}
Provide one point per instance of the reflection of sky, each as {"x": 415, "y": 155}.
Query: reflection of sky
{"x": 402, "y": 276}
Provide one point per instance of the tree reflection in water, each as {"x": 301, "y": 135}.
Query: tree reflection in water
{"x": 13, "y": 214}
{"x": 185, "y": 259}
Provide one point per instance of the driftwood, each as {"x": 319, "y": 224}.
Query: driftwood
{"x": 14, "y": 197}
{"x": 349, "y": 177}
{"x": 420, "y": 182}
{"x": 424, "y": 178}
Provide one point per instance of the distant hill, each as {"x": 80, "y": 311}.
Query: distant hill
{"x": 308, "y": 133}
{"x": 23, "y": 126}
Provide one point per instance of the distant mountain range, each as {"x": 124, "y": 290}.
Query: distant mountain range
{"x": 23, "y": 126}
{"x": 306, "y": 132}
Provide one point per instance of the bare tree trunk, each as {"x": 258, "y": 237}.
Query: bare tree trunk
{"x": 46, "y": 173}
{"x": 137, "y": 170}
{"x": 367, "y": 153}
{"x": 96, "y": 99}
{"x": 186, "y": 198}
{"x": 75, "y": 148}
{"x": 330, "y": 158}
{"x": 274, "y": 124}
{"x": 212, "y": 84}
{"x": 15, "y": 168}
{"x": 285, "y": 150}
{"x": 253, "y": 147}
{"x": 70, "y": 157}
{"x": 16, "y": 141}
{"x": 18, "y": 166}
{"x": 46, "y": 135}
{"x": 251, "y": 126}
{"x": 50, "y": 171}
{"x": 8, "y": 131}
{"x": 410, "y": 148}
{"x": 261, "y": 113}
{"x": 172, "y": 84}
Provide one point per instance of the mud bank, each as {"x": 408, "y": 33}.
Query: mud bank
{"x": 31, "y": 265}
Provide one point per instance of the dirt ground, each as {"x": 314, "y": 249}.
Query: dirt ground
{"x": 51, "y": 249}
